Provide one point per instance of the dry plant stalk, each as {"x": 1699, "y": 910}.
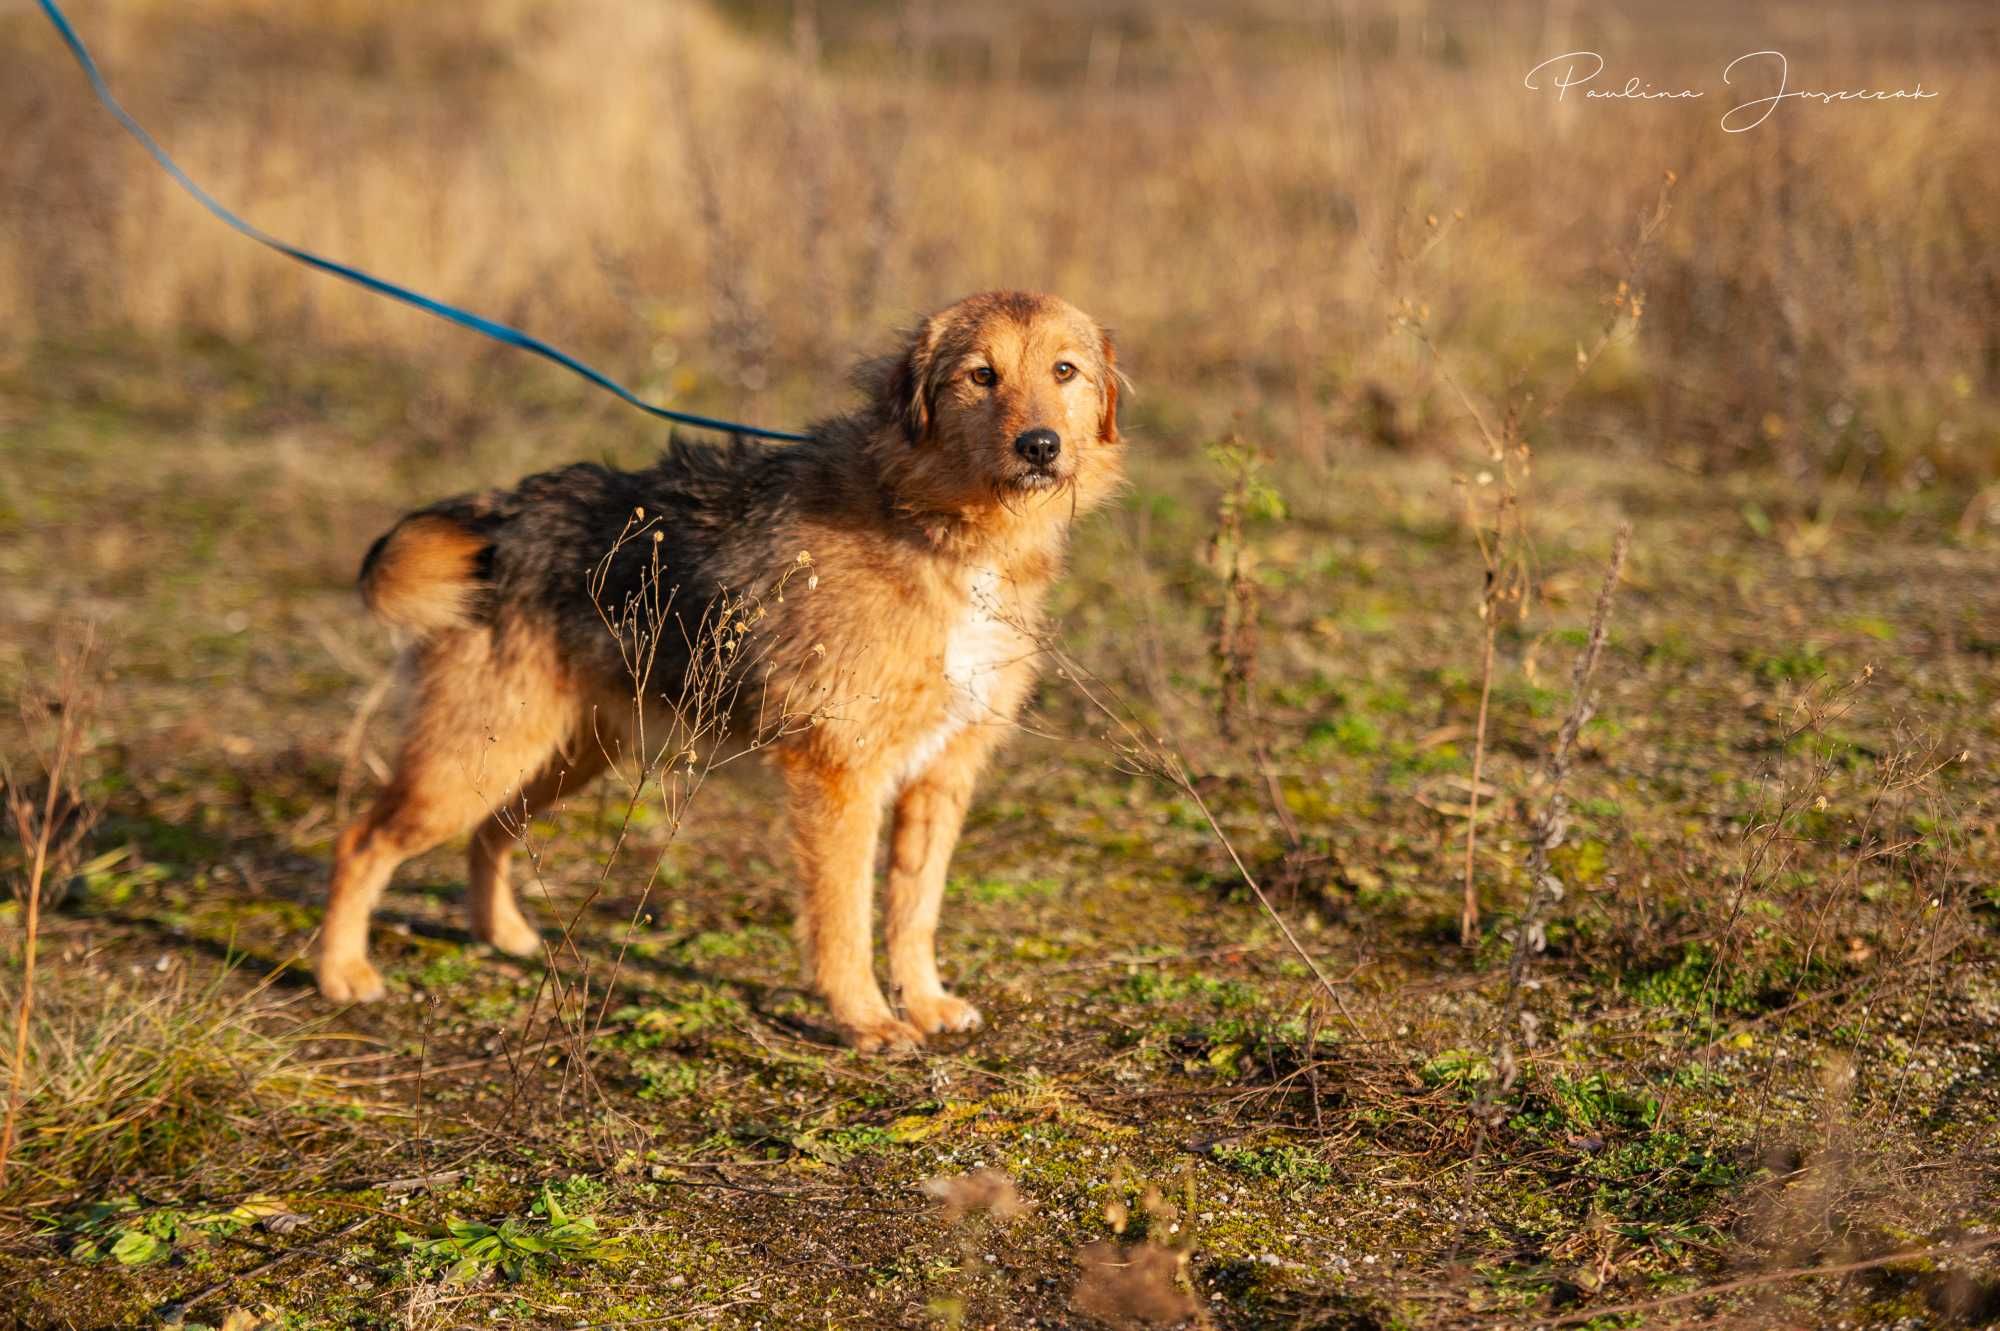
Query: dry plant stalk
{"x": 1505, "y": 542}
{"x": 1551, "y": 825}
{"x": 1770, "y": 846}
{"x": 1913, "y": 957}
{"x": 1546, "y": 833}
{"x": 1234, "y": 643}
{"x": 667, "y": 747}
{"x": 49, "y": 835}
{"x": 1237, "y": 631}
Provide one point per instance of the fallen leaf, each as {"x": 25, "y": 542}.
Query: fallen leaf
{"x": 243, "y": 1319}
{"x": 983, "y": 1190}
{"x": 1131, "y": 1286}
{"x": 135, "y": 1247}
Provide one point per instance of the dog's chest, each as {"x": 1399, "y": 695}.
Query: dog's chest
{"x": 978, "y": 646}
{"x": 981, "y": 640}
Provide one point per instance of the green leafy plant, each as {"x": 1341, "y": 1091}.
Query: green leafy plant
{"x": 1288, "y": 1164}
{"x": 514, "y": 1247}
{"x": 120, "y": 1230}
{"x": 1458, "y": 1068}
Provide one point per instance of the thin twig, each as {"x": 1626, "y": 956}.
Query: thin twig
{"x": 1775, "y": 1277}
{"x": 1158, "y": 757}
{"x": 207, "y": 1292}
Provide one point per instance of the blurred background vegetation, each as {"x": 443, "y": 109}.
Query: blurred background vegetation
{"x": 727, "y": 202}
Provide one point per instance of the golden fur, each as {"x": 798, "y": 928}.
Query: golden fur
{"x": 422, "y": 577}
{"x": 934, "y": 545}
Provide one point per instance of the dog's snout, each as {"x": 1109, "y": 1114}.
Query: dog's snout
{"x": 1039, "y": 447}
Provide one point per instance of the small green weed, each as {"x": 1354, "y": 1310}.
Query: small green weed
{"x": 1287, "y": 1164}
{"x": 1002, "y": 891}
{"x": 647, "y": 1028}
{"x": 1458, "y": 1068}
{"x": 665, "y": 1078}
{"x": 447, "y": 970}
{"x": 514, "y": 1247}
{"x": 119, "y": 1230}
{"x": 1353, "y": 735}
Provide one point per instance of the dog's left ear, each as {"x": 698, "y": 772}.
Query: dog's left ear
{"x": 1107, "y": 425}
{"x": 909, "y": 394}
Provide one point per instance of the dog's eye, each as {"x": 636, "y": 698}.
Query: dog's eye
{"x": 984, "y": 376}
{"x": 1064, "y": 372}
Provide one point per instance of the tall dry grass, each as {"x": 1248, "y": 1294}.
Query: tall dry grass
{"x": 726, "y": 204}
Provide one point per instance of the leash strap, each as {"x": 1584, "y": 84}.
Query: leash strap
{"x": 499, "y": 332}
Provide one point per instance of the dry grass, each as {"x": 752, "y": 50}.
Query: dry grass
{"x": 49, "y": 826}
{"x": 716, "y": 204}
{"x": 169, "y": 1076}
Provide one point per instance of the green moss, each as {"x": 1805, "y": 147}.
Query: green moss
{"x": 1355, "y": 735}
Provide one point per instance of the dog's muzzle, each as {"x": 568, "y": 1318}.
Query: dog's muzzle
{"x": 1039, "y": 448}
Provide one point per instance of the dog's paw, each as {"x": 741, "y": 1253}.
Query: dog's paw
{"x": 350, "y": 981}
{"x": 941, "y": 1013}
{"x": 515, "y": 937}
{"x": 885, "y": 1036}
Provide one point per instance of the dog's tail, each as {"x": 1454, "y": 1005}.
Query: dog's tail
{"x": 427, "y": 574}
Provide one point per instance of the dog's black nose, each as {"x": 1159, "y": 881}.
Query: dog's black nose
{"x": 1038, "y": 446}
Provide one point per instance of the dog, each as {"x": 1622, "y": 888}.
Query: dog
{"x": 865, "y": 606}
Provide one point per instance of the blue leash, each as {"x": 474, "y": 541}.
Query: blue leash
{"x": 499, "y": 332}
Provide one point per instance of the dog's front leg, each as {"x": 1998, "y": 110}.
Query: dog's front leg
{"x": 836, "y": 817}
{"x": 929, "y": 813}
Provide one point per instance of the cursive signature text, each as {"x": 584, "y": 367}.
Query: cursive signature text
{"x": 1578, "y": 69}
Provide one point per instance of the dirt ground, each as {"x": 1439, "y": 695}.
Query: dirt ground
{"x": 1752, "y": 1073}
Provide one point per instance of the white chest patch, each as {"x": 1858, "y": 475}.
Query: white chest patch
{"x": 981, "y": 644}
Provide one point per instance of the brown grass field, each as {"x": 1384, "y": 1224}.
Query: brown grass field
{"x": 1412, "y": 344}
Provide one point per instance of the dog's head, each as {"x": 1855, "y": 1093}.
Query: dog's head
{"x": 1005, "y": 397}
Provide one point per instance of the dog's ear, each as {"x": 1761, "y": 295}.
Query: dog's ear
{"x": 1107, "y": 425}
{"x": 908, "y": 392}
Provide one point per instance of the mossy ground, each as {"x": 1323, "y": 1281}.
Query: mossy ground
{"x": 1748, "y": 1049}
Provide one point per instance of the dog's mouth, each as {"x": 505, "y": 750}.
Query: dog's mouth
{"x": 1035, "y": 480}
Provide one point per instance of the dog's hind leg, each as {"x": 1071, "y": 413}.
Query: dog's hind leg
{"x": 488, "y": 719}
{"x": 496, "y": 917}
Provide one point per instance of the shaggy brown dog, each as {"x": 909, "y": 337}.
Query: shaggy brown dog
{"x": 865, "y": 604}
